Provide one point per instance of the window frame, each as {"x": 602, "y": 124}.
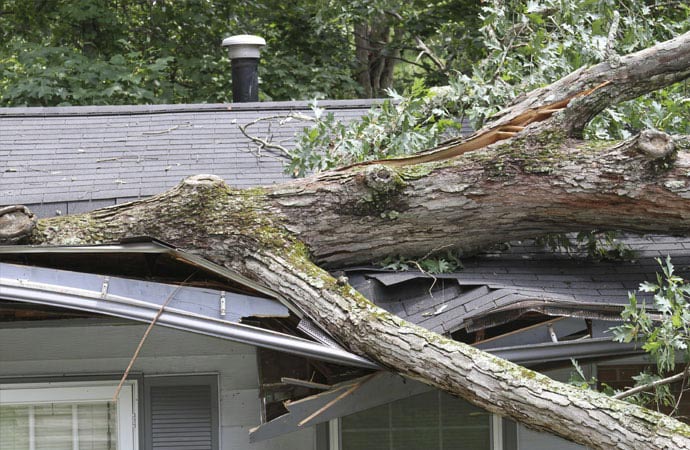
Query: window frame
{"x": 497, "y": 434}
{"x": 82, "y": 392}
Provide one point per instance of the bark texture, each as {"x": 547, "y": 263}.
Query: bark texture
{"x": 541, "y": 180}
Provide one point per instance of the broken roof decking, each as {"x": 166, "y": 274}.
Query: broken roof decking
{"x": 523, "y": 278}
{"x": 75, "y": 159}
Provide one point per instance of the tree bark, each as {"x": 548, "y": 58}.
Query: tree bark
{"x": 541, "y": 180}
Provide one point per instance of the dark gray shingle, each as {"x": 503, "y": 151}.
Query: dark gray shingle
{"x": 98, "y": 155}
{"x": 526, "y": 275}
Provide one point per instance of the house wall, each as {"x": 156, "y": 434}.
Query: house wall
{"x": 534, "y": 440}
{"x": 73, "y": 348}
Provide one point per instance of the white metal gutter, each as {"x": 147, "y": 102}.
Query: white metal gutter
{"x": 93, "y": 293}
{"x": 146, "y": 245}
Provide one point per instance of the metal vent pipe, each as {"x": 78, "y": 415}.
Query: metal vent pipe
{"x": 244, "y": 51}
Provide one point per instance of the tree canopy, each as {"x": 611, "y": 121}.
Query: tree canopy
{"x": 58, "y": 52}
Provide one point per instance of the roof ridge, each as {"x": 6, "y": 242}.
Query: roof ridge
{"x": 130, "y": 110}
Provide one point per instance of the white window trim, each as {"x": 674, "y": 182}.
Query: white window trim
{"x": 496, "y": 432}
{"x": 334, "y": 434}
{"x": 76, "y": 392}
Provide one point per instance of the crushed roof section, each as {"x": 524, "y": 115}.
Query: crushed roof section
{"x": 68, "y": 160}
{"x": 190, "y": 309}
{"x": 523, "y": 278}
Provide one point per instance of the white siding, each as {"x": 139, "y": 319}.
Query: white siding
{"x": 83, "y": 350}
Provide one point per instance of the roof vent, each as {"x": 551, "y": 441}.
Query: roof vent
{"x": 244, "y": 50}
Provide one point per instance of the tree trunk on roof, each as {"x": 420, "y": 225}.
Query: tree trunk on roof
{"x": 542, "y": 179}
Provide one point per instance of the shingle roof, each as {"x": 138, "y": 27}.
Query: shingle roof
{"x": 74, "y": 159}
{"x": 523, "y": 278}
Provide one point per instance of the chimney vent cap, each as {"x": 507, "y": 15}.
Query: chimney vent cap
{"x": 244, "y": 46}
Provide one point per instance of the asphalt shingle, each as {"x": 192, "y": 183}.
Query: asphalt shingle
{"x": 525, "y": 274}
{"x": 99, "y": 155}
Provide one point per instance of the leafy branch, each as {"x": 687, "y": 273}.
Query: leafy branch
{"x": 597, "y": 245}
{"x": 663, "y": 330}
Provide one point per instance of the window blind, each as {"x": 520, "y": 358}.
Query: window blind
{"x": 58, "y": 426}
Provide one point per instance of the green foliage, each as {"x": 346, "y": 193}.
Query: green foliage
{"x": 659, "y": 397}
{"x": 665, "y": 332}
{"x": 38, "y": 75}
{"x": 597, "y": 245}
{"x": 579, "y": 379}
{"x": 446, "y": 262}
{"x": 130, "y": 51}
{"x": 398, "y": 126}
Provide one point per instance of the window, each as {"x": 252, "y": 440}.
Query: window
{"x": 68, "y": 416}
{"x": 433, "y": 421}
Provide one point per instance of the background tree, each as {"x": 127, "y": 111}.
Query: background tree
{"x": 135, "y": 51}
{"x": 132, "y": 51}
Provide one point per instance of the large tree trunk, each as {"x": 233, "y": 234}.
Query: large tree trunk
{"x": 540, "y": 180}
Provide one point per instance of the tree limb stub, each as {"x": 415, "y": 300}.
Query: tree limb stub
{"x": 655, "y": 144}
{"x": 16, "y": 223}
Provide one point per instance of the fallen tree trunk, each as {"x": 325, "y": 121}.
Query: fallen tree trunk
{"x": 540, "y": 180}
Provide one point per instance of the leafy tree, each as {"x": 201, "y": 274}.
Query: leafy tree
{"x": 664, "y": 333}
{"x": 525, "y": 45}
{"x": 129, "y": 51}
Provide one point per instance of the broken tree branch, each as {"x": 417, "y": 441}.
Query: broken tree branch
{"x": 652, "y": 385}
{"x": 146, "y": 334}
{"x": 266, "y": 144}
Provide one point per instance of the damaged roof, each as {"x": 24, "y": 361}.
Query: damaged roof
{"x": 68, "y": 160}
{"x": 498, "y": 287}
{"x": 210, "y": 311}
